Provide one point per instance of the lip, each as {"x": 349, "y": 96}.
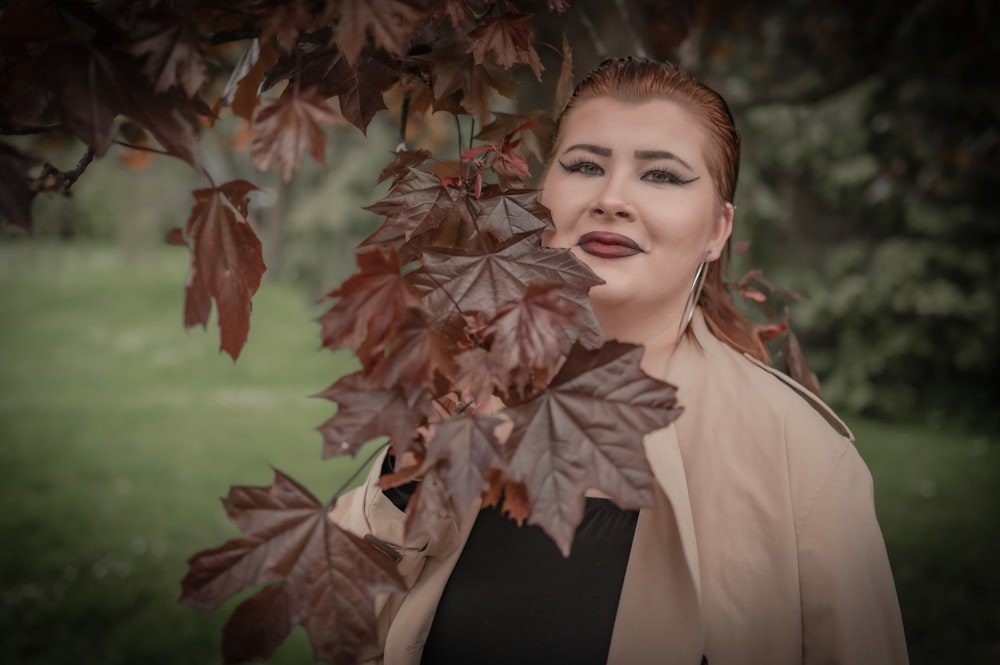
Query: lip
{"x": 607, "y": 245}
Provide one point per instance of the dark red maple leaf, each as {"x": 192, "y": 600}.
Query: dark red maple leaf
{"x": 506, "y": 213}
{"x": 460, "y": 85}
{"x": 475, "y": 281}
{"x": 585, "y": 431}
{"x": 402, "y": 163}
{"x": 455, "y": 11}
{"x": 15, "y": 196}
{"x": 364, "y": 413}
{"x": 226, "y": 262}
{"x": 373, "y": 304}
{"x": 389, "y": 22}
{"x": 534, "y": 130}
{"x": 508, "y": 38}
{"x": 419, "y": 202}
{"x": 318, "y": 576}
{"x": 284, "y": 20}
{"x": 564, "y": 86}
{"x": 359, "y": 88}
{"x": 463, "y": 449}
{"x": 798, "y": 367}
{"x": 413, "y": 358}
{"x": 173, "y": 50}
{"x": 288, "y": 126}
{"x": 526, "y": 337}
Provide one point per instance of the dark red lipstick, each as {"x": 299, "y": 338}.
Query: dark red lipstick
{"x": 607, "y": 245}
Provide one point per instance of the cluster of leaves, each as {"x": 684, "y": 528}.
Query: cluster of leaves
{"x": 131, "y": 73}
{"x": 481, "y": 357}
{"x": 481, "y": 360}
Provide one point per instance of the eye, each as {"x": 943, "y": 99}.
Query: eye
{"x": 583, "y": 167}
{"x": 665, "y": 177}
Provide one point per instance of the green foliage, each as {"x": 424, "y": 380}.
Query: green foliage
{"x": 881, "y": 183}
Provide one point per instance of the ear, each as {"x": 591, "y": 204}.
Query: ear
{"x": 723, "y": 229}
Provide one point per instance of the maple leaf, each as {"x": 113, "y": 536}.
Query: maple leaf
{"x": 226, "y": 262}
{"x": 373, "y": 304}
{"x": 506, "y": 213}
{"x": 360, "y": 88}
{"x": 431, "y": 503}
{"x": 318, "y": 576}
{"x": 310, "y": 62}
{"x": 525, "y": 337}
{"x": 456, "y": 11}
{"x": 243, "y": 86}
{"x": 460, "y": 85}
{"x": 288, "y": 126}
{"x": 476, "y": 282}
{"x": 92, "y": 87}
{"x": 534, "y": 130}
{"x": 364, "y": 413}
{"x": 15, "y": 195}
{"x": 174, "y": 52}
{"x": 464, "y": 448}
{"x": 418, "y": 203}
{"x": 416, "y": 354}
{"x": 585, "y": 431}
{"x": 798, "y": 367}
{"x": 564, "y": 86}
{"x": 285, "y": 20}
{"x": 402, "y": 163}
{"x": 508, "y": 38}
{"x": 390, "y": 23}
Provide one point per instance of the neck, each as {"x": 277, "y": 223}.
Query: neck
{"x": 655, "y": 329}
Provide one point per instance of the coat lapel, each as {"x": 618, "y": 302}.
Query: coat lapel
{"x": 659, "y": 614}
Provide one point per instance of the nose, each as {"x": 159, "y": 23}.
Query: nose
{"x": 611, "y": 203}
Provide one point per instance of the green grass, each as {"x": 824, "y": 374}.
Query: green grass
{"x": 119, "y": 431}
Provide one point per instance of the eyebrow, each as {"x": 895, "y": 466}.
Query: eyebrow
{"x": 639, "y": 154}
{"x": 661, "y": 154}
{"x": 587, "y": 147}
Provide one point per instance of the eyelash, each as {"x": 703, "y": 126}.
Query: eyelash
{"x": 671, "y": 176}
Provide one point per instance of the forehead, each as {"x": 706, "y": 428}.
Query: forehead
{"x": 654, "y": 124}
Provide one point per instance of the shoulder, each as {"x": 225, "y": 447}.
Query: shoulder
{"x": 763, "y": 421}
{"x": 743, "y": 388}
{"x": 800, "y": 396}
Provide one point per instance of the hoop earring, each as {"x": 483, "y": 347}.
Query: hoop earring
{"x": 693, "y": 295}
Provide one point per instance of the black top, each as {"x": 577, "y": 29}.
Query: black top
{"x": 513, "y": 598}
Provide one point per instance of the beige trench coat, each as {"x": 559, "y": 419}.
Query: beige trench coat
{"x": 762, "y": 547}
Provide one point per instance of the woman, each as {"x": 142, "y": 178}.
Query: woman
{"x": 763, "y": 545}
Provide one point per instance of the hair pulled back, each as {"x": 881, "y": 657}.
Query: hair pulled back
{"x": 640, "y": 79}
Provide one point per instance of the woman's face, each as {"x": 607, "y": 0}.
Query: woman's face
{"x": 631, "y": 194}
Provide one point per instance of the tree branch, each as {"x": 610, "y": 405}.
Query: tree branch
{"x": 25, "y": 130}
{"x": 69, "y": 177}
{"x": 52, "y": 178}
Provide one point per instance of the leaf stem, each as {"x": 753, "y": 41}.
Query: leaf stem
{"x": 364, "y": 465}
{"x": 144, "y": 148}
{"x": 403, "y": 117}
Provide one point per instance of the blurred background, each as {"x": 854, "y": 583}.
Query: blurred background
{"x": 871, "y": 165}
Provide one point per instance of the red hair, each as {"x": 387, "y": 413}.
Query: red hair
{"x": 638, "y": 79}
